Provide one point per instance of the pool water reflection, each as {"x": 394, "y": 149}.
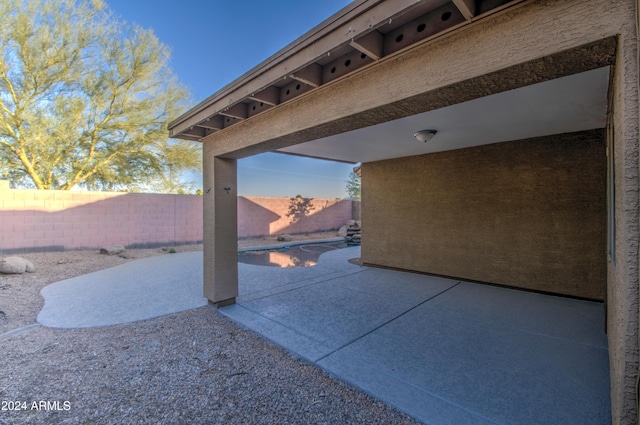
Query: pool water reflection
{"x": 295, "y": 256}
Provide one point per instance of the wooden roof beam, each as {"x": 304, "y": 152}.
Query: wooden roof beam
{"x": 370, "y": 44}
{"x": 311, "y": 75}
{"x": 214, "y": 123}
{"x": 196, "y": 132}
{"x": 270, "y": 96}
{"x": 466, "y": 7}
{"x": 239, "y": 110}
{"x": 185, "y": 136}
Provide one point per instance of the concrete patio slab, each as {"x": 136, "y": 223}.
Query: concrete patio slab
{"x": 139, "y": 290}
{"x": 560, "y": 317}
{"x": 338, "y": 311}
{"x": 441, "y": 350}
{"x": 501, "y": 374}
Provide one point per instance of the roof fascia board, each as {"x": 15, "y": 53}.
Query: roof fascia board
{"x": 351, "y": 22}
{"x": 291, "y": 48}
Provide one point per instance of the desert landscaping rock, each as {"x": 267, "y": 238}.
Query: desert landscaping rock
{"x": 351, "y": 232}
{"x": 285, "y": 238}
{"x": 16, "y": 265}
{"x": 29, "y": 267}
{"x": 112, "y": 250}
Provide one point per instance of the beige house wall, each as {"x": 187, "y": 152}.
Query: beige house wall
{"x": 622, "y": 282}
{"x": 535, "y": 42}
{"x": 529, "y": 214}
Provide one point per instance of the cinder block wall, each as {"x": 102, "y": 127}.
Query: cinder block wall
{"x": 259, "y": 216}
{"x": 529, "y": 214}
{"x": 32, "y": 220}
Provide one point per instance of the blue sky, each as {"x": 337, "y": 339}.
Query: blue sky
{"x": 215, "y": 42}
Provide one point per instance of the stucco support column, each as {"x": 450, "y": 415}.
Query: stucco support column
{"x": 220, "y": 237}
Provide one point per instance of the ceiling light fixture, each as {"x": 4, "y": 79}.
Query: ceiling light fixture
{"x": 424, "y": 135}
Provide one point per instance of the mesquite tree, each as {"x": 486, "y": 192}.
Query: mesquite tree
{"x": 85, "y": 100}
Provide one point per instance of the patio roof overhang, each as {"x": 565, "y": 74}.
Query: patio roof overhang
{"x": 566, "y": 104}
{"x": 353, "y": 39}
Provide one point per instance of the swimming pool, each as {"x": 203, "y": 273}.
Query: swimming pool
{"x": 295, "y": 256}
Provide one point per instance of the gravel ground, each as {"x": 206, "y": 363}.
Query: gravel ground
{"x": 192, "y": 367}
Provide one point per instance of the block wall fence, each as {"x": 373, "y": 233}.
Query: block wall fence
{"x": 35, "y": 220}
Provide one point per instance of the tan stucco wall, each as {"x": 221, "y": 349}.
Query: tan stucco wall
{"x": 529, "y": 214}
{"x": 622, "y": 282}
{"x": 220, "y": 228}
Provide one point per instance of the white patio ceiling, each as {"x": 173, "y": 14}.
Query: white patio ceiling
{"x": 568, "y": 104}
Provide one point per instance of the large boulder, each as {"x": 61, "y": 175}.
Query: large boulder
{"x": 112, "y": 250}
{"x": 16, "y": 265}
{"x": 29, "y": 268}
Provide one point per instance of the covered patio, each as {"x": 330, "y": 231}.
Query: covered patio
{"x": 529, "y": 182}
